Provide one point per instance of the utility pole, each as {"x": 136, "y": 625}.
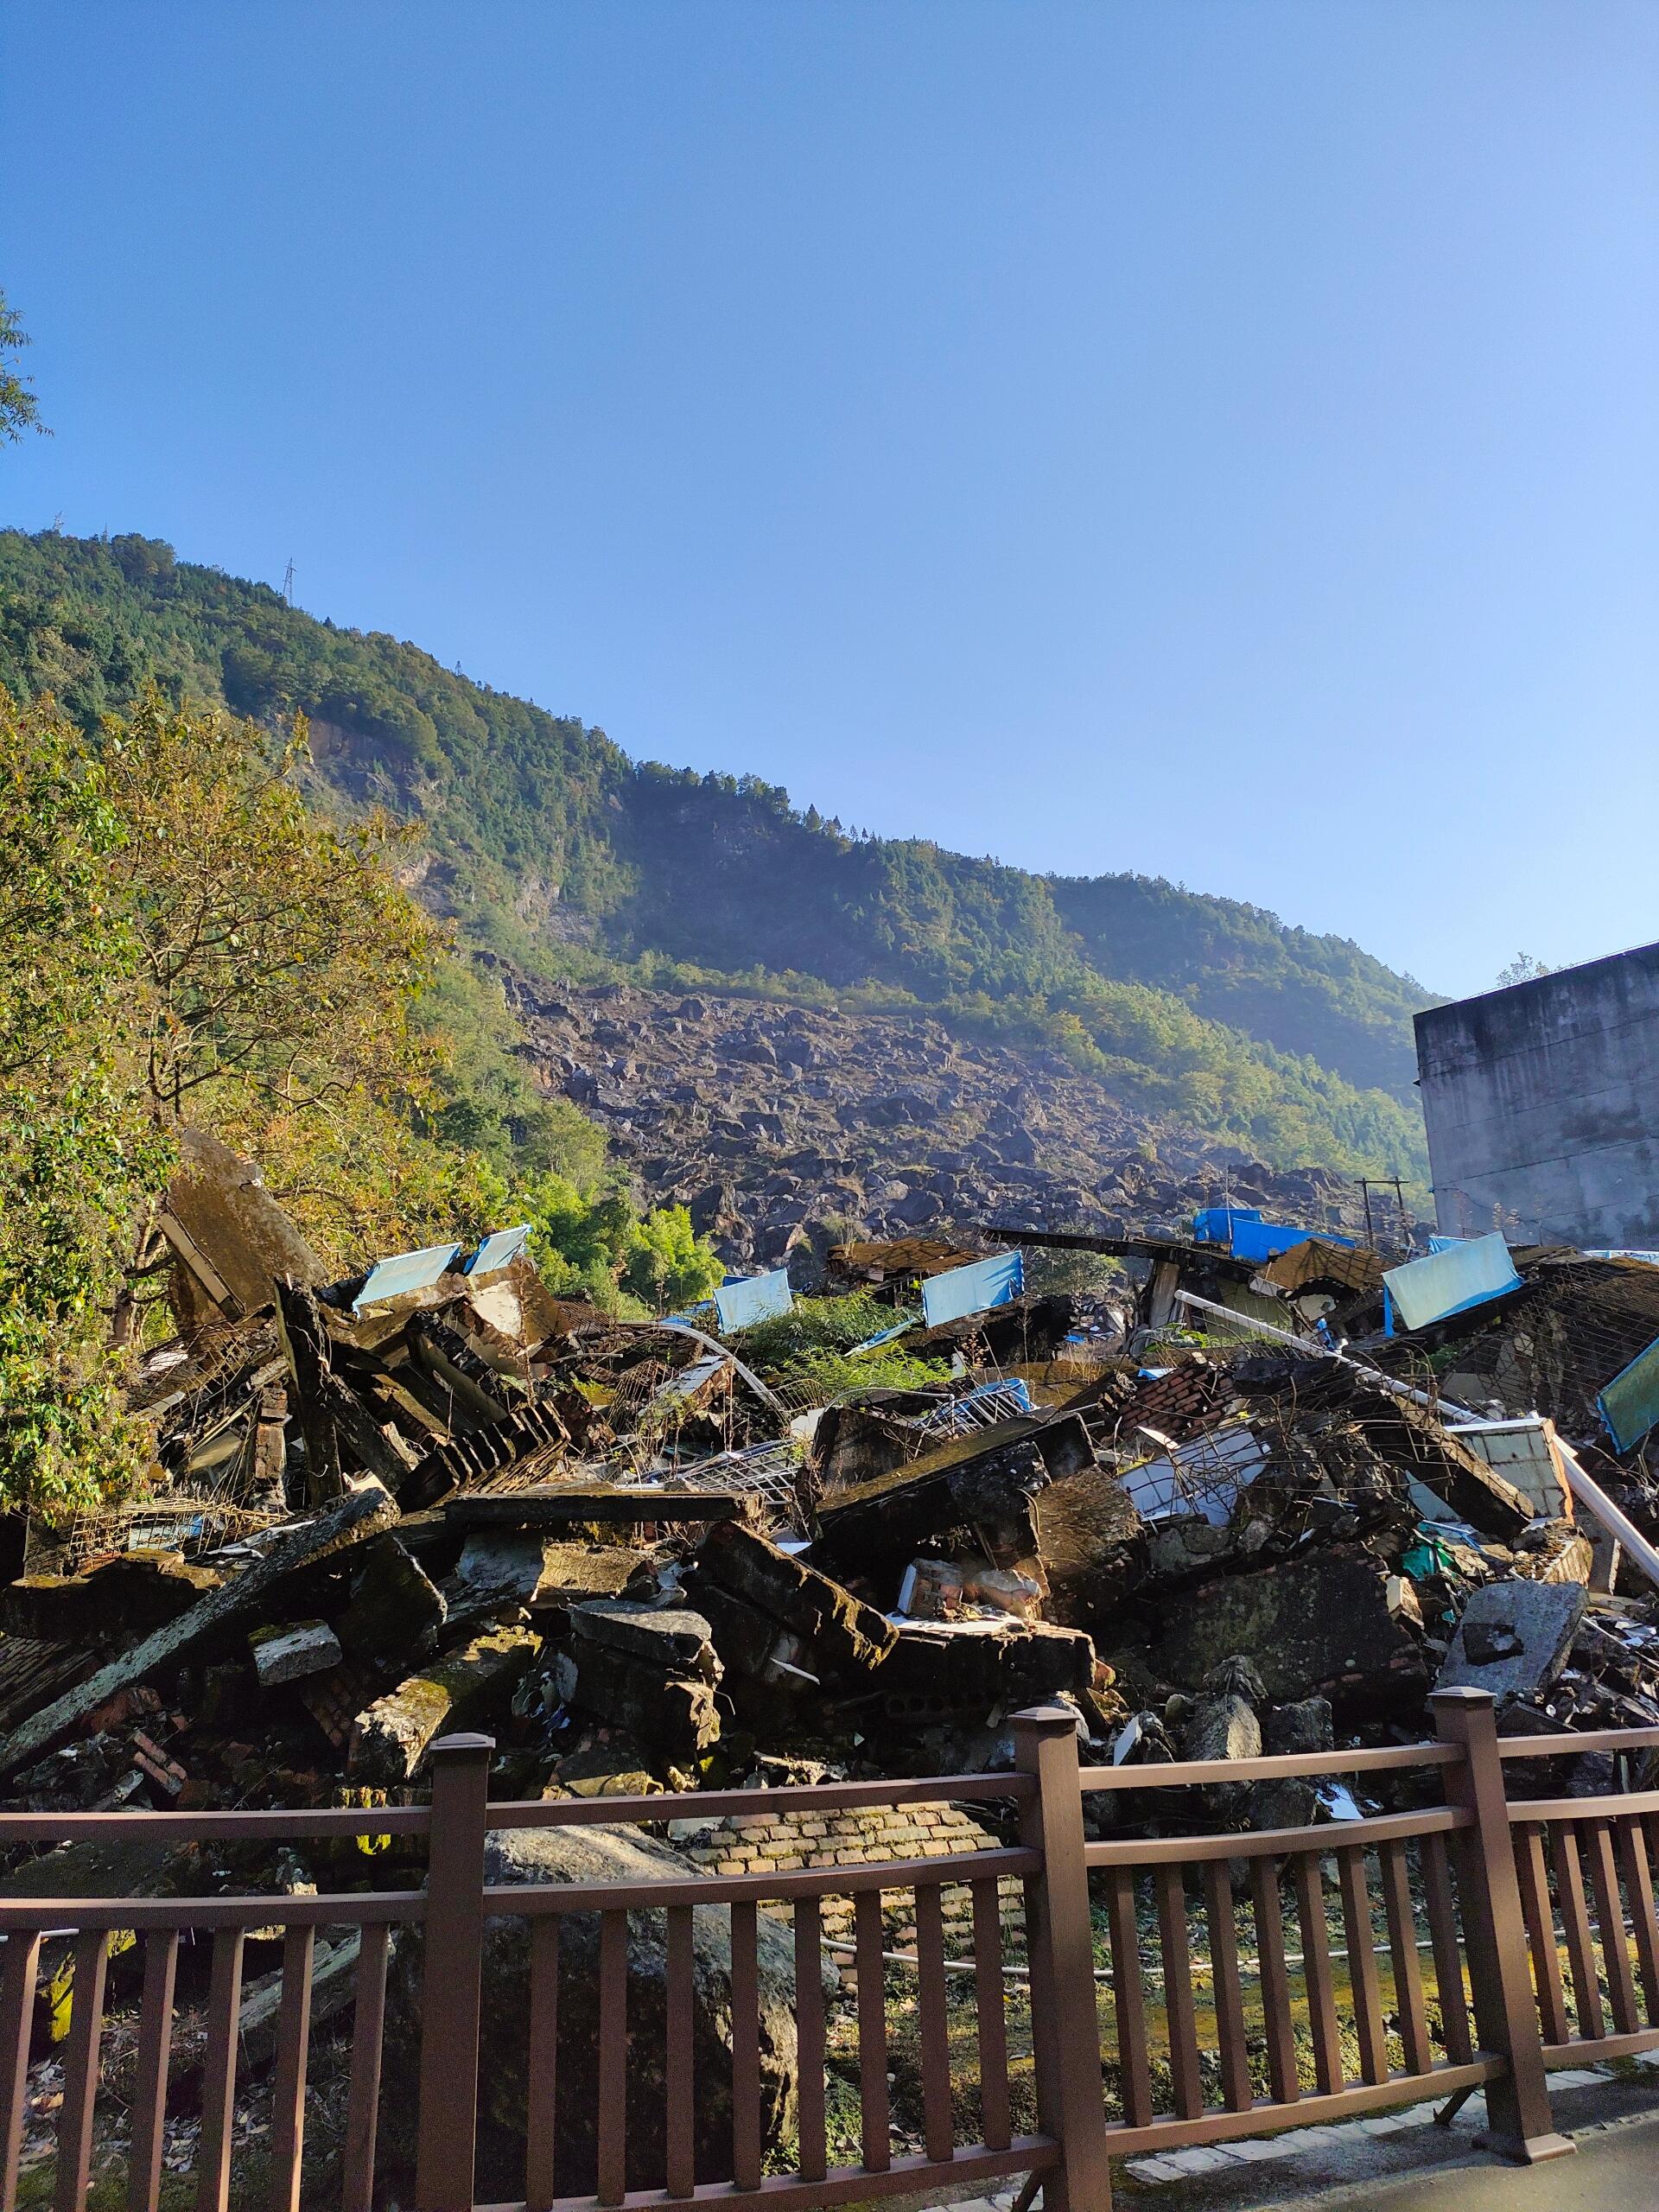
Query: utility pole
{"x": 288, "y": 584}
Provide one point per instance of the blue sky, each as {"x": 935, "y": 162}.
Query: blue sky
{"x": 1211, "y": 438}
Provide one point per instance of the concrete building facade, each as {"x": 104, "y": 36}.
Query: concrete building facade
{"x": 1542, "y": 1106}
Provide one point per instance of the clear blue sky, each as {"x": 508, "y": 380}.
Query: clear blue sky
{"x": 1213, "y": 437}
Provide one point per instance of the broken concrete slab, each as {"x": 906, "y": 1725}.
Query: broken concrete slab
{"x": 1090, "y": 1540}
{"x": 847, "y": 1635}
{"x": 1513, "y": 1637}
{"x": 1319, "y": 1625}
{"x": 289, "y": 1653}
{"x": 963, "y": 1670}
{"x": 131, "y": 1595}
{"x": 461, "y": 1690}
{"x": 984, "y": 1480}
{"x": 226, "y": 1227}
{"x": 1292, "y": 1802}
{"x": 673, "y": 1714}
{"x": 671, "y": 1637}
{"x": 362, "y": 1512}
{"x": 557, "y": 1505}
{"x": 496, "y": 1567}
{"x": 573, "y": 1571}
{"x": 395, "y": 1607}
{"x": 744, "y": 1638}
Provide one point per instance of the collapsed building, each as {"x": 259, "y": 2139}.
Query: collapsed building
{"x": 1258, "y": 1490}
{"x": 433, "y": 1495}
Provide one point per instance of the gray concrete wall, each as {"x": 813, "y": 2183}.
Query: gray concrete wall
{"x": 1543, "y": 1101}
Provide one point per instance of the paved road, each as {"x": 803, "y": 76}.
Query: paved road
{"x": 1615, "y": 2168}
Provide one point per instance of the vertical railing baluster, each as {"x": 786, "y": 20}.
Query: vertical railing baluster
{"x": 747, "y": 2149}
{"x": 939, "y": 2132}
{"x": 1268, "y": 1916}
{"x": 1230, "y": 1992}
{"x": 541, "y": 2086}
{"x": 154, "y": 2044}
{"x": 1178, "y": 2010}
{"x": 875, "y": 2134}
{"x": 813, "y": 2162}
{"x": 1128, "y": 1997}
{"x": 1638, "y": 1883}
{"x": 1406, "y": 1966}
{"x": 363, "y": 2098}
{"x": 16, "y": 2018}
{"x": 680, "y": 2020}
{"x": 80, "y": 2069}
{"x": 995, "y": 2124}
{"x": 1314, "y": 1930}
{"x": 1362, "y": 1968}
{"x": 294, "y": 2033}
{"x": 1538, "y": 1912}
{"x": 1610, "y": 1919}
{"x": 613, "y": 2055}
{"x": 1447, "y": 1951}
{"x": 218, "y": 2089}
{"x": 1575, "y": 1926}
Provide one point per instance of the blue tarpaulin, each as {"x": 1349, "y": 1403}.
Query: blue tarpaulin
{"x": 403, "y": 1272}
{"x": 497, "y": 1250}
{"x": 973, "y": 1289}
{"x": 1630, "y": 1403}
{"x": 1248, "y": 1236}
{"x": 761, "y": 1297}
{"x": 1446, "y": 1282}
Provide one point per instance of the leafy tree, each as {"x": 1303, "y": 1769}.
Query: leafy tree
{"x": 1521, "y": 970}
{"x": 77, "y": 1152}
{"x": 666, "y": 1264}
{"x": 280, "y": 955}
{"x": 19, "y": 408}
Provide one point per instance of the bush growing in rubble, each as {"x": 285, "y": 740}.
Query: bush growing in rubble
{"x": 809, "y": 1348}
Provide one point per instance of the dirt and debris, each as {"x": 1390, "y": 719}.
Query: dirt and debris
{"x": 639, "y": 1550}
{"x": 1216, "y": 1508}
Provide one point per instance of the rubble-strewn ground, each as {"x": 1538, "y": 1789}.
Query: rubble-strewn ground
{"x": 766, "y": 1118}
{"x": 841, "y": 1542}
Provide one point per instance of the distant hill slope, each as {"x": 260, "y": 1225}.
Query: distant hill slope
{"x": 551, "y": 846}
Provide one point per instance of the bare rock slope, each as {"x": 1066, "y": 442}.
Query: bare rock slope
{"x": 767, "y": 1120}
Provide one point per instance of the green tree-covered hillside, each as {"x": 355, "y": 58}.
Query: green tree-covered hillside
{"x": 548, "y": 844}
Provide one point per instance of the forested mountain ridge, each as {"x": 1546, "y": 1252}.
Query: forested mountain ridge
{"x": 550, "y": 845}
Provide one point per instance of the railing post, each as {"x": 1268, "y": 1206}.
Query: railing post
{"x": 1065, "y": 2028}
{"x": 1522, "y": 2125}
{"x": 447, "y": 2119}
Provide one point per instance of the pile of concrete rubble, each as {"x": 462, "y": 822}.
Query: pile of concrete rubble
{"x": 1220, "y": 1506}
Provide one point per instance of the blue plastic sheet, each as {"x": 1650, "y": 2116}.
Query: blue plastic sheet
{"x": 1630, "y": 1403}
{"x": 973, "y": 1289}
{"x": 1244, "y": 1233}
{"x": 760, "y": 1298}
{"x": 1446, "y": 1282}
{"x": 499, "y": 1249}
{"x": 403, "y": 1272}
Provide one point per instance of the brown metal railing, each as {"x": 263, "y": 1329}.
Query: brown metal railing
{"x": 1176, "y": 1989}
{"x": 1585, "y": 1870}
